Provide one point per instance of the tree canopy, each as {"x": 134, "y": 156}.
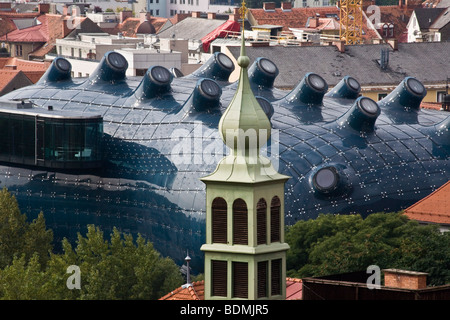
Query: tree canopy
{"x": 333, "y": 244}
{"x": 119, "y": 268}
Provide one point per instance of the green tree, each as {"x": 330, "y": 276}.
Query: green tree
{"x": 117, "y": 269}
{"x": 22, "y": 280}
{"x": 18, "y": 237}
{"x": 338, "y": 243}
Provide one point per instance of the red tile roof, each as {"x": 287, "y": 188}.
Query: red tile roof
{"x": 294, "y": 288}
{"x": 32, "y": 69}
{"x": 197, "y": 291}
{"x": 7, "y": 76}
{"x": 431, "y": 105}
{"x": 194, "y": 292}
{"x": 298, "y": 17}
{"x": 433, "y": 208}
{"x": 30, "y": 34}
{"x": 130, "y": 26}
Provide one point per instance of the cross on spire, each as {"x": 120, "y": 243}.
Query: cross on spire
{"x": 243, "y": 11}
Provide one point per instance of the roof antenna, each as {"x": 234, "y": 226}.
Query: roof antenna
{"x": 188, "y": 271}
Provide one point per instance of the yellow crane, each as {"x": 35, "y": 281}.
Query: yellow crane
{"x": 350, "y": 21}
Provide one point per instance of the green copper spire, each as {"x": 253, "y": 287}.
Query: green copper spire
{"x": 244, "y": 128}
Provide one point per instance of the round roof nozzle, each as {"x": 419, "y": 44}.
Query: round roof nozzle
{"x": 160, "y": 74}
{"x": 368, "y": 106}
{"x": 326, "y": 179}
{"x": 353, "y": 84}
{"x": 347, "y": 88}
{"x": 268, "y": 66}
{"x": 210, "y": 88}
{"x": 176, "y": 72}
{"x": 316, "y": 82}
{"x": 225, "y": 61}
{"x": 117, "y": 61}
{"x": 59, "y": 70}
{"x": 415, "y": 86}
{"x": 402, "y": 105}
{"x": 361, "y": 116}
{"x": 63, "y": 65}
{"x": 206, "y": 95}
{"x": 309, "y": 92}
{"x": 156, "y": 82}
{"x": 262, "y": 73}
{"x": 266, "y": 106}
{"x": 218, "y": 67}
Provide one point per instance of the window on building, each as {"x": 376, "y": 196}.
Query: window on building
{"x": 381, "y": 96}
{"x": 19, "y": 50}
{"x": 219, "y": 220}
{"x": 151, "y": 11}
{"x": 275, "y": 219}
{"x": 262, "y": 278}
{"x": 440, "y": 96}
{"x": 240, "y": 222}
{"x": 261, "y": 221}
{"x": 157, "y": 12}
{"x": 48, "y": 141}
{"x": 276, "y": 277}
{"x": 72, "y": 52}
{"x": 219, "y": 271}
{"x": 240, "y": 280}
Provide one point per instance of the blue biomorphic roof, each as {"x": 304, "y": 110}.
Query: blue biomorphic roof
{"x": 344, "y": 153}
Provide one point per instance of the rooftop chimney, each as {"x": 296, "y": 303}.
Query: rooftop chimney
{"x": 43, "y": 8}
{"x": 340, "y": 45}
{"x": 404, "y": 279}
{"x": 211, "y": 15}
{"x": 313, "y": 22}
{"x": 393, "y": 43}
{"x": 286, "y": 6}
{"x": 269, "y": 6}
{"x": 143, "y": 16}
{"x": 195, "y": 14}
{"x": 123, "y": 15}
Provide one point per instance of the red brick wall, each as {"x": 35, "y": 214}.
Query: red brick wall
{"x": 405, "y": 279}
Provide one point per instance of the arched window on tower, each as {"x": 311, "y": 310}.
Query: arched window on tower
{"x": 275, "y": 219}
{"x": 261, "y": 221}
{"x": 240, "y": 222}
{"x": 219, "y": 220}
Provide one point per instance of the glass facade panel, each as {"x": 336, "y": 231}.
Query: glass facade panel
{"x": 36, "y": 140}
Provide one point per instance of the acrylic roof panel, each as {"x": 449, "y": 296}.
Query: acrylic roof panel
{"x": 344, "y": 153}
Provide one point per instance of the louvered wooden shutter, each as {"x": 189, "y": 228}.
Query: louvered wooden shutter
{"x": 240, "y": 222}
{"x": 261, "y": 222}
{"x": 275, "y": 208}
{"x": 276, "y": 277}
{"x": 219, "y": 220}
{"x": 240, "y": 280}
{"x": 262, "y": 279}
{"x": 219, "y": 278}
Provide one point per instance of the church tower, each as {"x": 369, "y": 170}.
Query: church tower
{"x": 245, "y": 252}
